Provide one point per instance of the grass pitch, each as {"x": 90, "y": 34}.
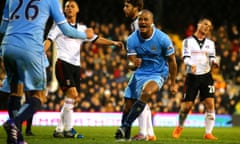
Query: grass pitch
{"x": 105, "y": 135}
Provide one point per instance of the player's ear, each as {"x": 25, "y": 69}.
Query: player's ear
{"x": 152, "y": 25}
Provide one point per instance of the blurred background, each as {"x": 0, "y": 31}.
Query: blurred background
{"x": 173, "y": 15}
{"x": 104, "y": 75}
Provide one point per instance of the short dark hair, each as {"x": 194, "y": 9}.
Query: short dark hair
{"x": 204, "y": 18}
{"x": 136, "y": 3}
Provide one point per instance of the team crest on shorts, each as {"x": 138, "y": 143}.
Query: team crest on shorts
{"x": 68, "y": 82}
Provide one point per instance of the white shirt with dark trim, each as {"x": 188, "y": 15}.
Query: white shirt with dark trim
{"x": 134, "y": 25}
{"x": 198, "y": 53}
{"x": 68, "y": 49}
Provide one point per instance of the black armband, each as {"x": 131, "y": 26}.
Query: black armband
{"x": 50, "y": 39}
{"x": 95, "y": 39}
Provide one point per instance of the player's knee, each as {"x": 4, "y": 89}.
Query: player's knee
{"x": 20, "y": 89}
{"x": 186, "y": 106}
{"x": 127, "y": 108}
{"x": 128, "y": 104}
{"x": 68, "y": 107}
{"x": 185, "y": 109}
{"x": 210, "y": 107}
{"x": 72, "y": 93}
{"x": 146, "y": 94}
{"x": 41, "y": 95}
{"x": 149, "y": 88}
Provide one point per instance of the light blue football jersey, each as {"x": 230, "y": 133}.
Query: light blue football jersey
{"x": 152, "y": 51}
{"x": 27, "y": 19}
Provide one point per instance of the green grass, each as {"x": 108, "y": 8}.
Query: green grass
{"x": 104, "y": 135}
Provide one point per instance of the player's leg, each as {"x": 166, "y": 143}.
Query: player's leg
{"x": 128, "y": 102}
{"x": 184, "y": 110}
{"x": 207, "y": 95}
{"x": 14, "y": 100}
{"x": 58, "y": 132}
{"x": 35, "y": 71}
{"x": 3, "y": 99}
{"x": 8, "y": 104}
{"x": 26, "y": 67}
{"x": 61, "y": 76}
{"x": 149, "y": 88}
{"x": 145, "y": 89}
{"x": 209, "y": 118}
{"x": 25, "y": 112}
{"x": 142, "y": 122}
{"x": 146, "y": 131}
{"x": 150, "y": 131}
{"x": 13, "y": 106}
{"x": 4, "y": 95}
{"x": 68, "y": 106}
{"x": 68, "y": 77}
{"x": 191, "y": 90}
{"x": 182, "y": 116}
{"x": 127, "y": 107}
{"x": 28, "y": 130}
{"x": 129, "y": 99}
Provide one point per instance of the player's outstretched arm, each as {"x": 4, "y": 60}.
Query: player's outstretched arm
{"x": 74, "y": 33}
{"x": 104, "y": 41}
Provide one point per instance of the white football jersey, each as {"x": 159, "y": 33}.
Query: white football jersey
{"x": 199, "y": 53}
{"x": 68, "y": 49}
{"x": 134, "y": 25}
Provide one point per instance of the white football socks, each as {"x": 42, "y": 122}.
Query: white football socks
{"x": 60, "y": 126}
{"x": 68, "y": 113}
{"x": 150, "y": 131}
{"x": 142, "y": 120}
{"x": 145, "y": 122}
{"x": 66, "y": 116}
{"x": 209, "y": 121}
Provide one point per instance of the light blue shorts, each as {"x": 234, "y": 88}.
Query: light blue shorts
{"x": 26, "y": 66}
{"x": 136, "y": 83}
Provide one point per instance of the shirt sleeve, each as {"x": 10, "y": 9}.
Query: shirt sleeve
{"x": 168, "y": 45}
{"x": 57, "y": 13}
{"x": 5, "y": 15}
{"x": 71, "y": 32}
{"x": 186, "y": 52}
{"x": 212, "y": 53}
{"x": 54, "y": 32}
{"x": 130, "y": 46}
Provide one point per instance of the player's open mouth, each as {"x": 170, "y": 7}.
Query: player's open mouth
{"x": 142, "y": 26}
